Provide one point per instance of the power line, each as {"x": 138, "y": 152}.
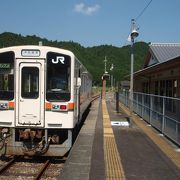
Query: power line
{"x": 140, "y": 14}
{"x": 144, "y": 9}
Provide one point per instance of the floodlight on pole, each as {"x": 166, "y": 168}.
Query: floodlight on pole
{"x": 133, "y": 35}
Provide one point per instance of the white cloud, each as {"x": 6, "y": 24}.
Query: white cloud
{"x": 87, "y": 10}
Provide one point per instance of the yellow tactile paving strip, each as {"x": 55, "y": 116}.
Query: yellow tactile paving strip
{"x": 114, "y": 169}
{"x": 162, "y": 144}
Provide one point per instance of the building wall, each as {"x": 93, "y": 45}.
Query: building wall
{"x": 163, "y": 81}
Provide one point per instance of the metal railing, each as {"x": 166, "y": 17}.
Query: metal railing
{"x": 161, "y": 112}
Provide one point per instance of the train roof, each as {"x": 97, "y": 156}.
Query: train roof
{"x": 44, "y": 48}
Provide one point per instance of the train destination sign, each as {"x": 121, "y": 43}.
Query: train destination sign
{"x": 30, "y": 53}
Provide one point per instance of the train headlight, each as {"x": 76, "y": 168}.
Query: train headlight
{"x": 57, "y": 107}
{"x": 4, "y": 106}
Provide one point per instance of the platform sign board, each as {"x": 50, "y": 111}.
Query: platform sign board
{"x": 120, "y": 123}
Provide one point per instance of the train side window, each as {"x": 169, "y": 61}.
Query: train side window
{"x": 30, "y": 82}
{"x": 7, "y": 76}
{"x": 58, "y": 77}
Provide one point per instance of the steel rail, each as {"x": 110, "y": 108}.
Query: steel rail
{"x": 8, "y": 165}
{"x": 42, "y": 170}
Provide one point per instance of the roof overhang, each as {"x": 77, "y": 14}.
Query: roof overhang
{"x": 173, "y": 63}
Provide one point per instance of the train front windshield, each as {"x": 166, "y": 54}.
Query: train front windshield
{"x": 58, "y": 77}
{"x": 7, "y": 76}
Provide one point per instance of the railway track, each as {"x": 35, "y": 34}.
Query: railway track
{"x": 35, "y": 168}
{"x": 95, "y": 97}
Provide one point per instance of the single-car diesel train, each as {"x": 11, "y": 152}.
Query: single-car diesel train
{"x": 43, "y": 94}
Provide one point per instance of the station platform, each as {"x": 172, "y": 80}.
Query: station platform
{"x": 109, "y": 146}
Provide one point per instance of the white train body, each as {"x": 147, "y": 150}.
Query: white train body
{"x": 43, "y": 94}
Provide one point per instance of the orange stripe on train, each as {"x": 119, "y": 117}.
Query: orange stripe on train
{"x": 70, "y": 106}
{"x": 11, "y": 105}
{"x": 48, "y": 106}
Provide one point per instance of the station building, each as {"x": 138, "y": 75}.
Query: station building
{"x": 160, "y": 74}
{"x": 161, "y": 71}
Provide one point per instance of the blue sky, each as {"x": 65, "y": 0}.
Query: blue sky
{"x": 92, "y": 22}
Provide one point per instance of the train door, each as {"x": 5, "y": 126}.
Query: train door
{"x": 78, "y": 97}
{"x": 30, "y": 94}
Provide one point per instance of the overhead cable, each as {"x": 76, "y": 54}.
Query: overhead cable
{"x": 140, "y": 14}
{"x": 144, "y": 9}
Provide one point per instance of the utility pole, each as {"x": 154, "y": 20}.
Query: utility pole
{"x": 105, "y": 61}
{"x": 111, "y": 69}
{"x": 133, "y": 35}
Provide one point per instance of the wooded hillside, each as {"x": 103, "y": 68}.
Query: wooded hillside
{"x": 91, "y": 57}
